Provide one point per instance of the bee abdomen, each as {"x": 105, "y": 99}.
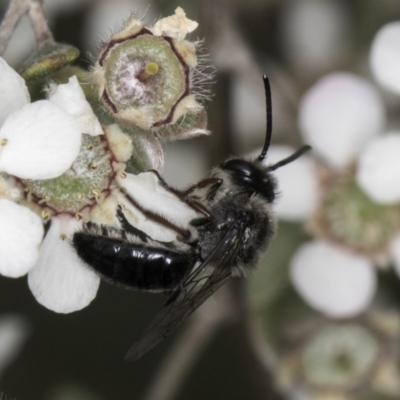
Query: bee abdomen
{"x": 131, "y": 265}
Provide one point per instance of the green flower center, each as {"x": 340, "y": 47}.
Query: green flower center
{"x": 89, "y": 176}
{"x": 339, "y": 355}
{"x": 352, "y": 218}
{"x": 145, "y": 72}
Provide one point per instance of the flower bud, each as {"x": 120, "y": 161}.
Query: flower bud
{"x": 49, "y": 60}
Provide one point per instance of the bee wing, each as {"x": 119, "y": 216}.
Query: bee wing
{"x": 191, "y": 293}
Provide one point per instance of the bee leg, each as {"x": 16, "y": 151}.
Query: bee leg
{"x": 184, "y": 196}
{"x": 197, "y": 206}
{"x": 165, "y": 184}
{"x": 214, "y": 182}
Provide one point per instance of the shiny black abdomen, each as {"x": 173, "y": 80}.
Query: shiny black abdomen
{"x": 134, "y": 266}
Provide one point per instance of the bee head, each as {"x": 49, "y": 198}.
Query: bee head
{"x": 251, "y": 178}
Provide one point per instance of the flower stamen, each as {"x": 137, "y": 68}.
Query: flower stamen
{"x": 45, "y": 216}
{"x": 150, "y": 69}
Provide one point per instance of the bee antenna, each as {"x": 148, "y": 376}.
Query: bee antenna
{"x": 268, "y": 135}
{"x": 291, "y": 158}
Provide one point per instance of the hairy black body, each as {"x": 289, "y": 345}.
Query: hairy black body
{"x": 235, "y": 225}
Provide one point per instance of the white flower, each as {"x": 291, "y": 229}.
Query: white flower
{"x": 58, "y": 279}
{"x": 342, "y": 118}
{"x": 385, "y": 56}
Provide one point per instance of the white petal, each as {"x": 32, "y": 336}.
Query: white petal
{"x": 9, "y": 188}
{"x": 338, "y": 115}
{"x": 21, "y": 232}
{"x": 13, "y": 91}
{"x": 59, "y": 280}
{"x": 297, "y": 184}
{"x": 146, "y": 191}
{"x": 42, "y": 141}
{"x": 14, "y": 331}
{"x": 385, "y": 56}
{"x": 333, "y": 281}
{"x": 395, "y": 253}
{"x": 176, "y": 26}
{"x": 378, "y": 169}
{"x": 72, "y": 100}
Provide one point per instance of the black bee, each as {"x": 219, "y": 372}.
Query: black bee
{"x": 235, "y": 225}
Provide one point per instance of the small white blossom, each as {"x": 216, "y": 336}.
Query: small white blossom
{"x": 57, "y": 277}
{"x": 39, "y": 140}
{"x": 342, "y": 118}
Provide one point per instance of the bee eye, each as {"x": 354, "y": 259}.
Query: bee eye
{"x": 240, "y": 167}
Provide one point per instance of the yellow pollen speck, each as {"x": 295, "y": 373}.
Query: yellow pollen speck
{"x": 28, "y": 189}
{"x": 150, "y": 69}
{"x": 93, "y": 166}
{"x": 63, "y": 236}
{"x": 90, "y": 147}
{"x": 78, "y": 216}
{"x": 122, "y": 174}
{"x": 3, "y": 142}
{"x": 47, "y": 198}
{"x": 79, "y": 196}
{"x": 45, "y": 216}
{"x": 96, "y": 192}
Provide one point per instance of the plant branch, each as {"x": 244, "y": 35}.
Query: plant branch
{"x": 18, "y": 8}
